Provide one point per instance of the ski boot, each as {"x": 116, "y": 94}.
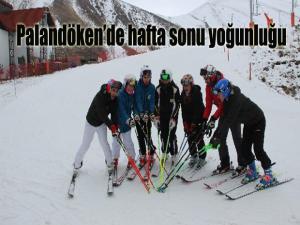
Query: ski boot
{"x": 163, "y": 158}
{"x": 173, "y": 160}
{"x": 116, "y": 162}
{"x": 201, "y": 162}
{"x": 239, "y": 171}
{"x": 142, "y": 160}
{"x": 110, "y": 168}
{"x": 193, "y": 161}
{"x": 266, "y": 180}
{"x": 222, "y": 169}
{"x": 251, "y": 174}
{"x": 76, "y": 169}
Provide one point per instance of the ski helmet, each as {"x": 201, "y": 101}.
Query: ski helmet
{"x": 145, "y": 70}
{"x": 129, "y": 79}
{"x": 224, "y": 87}
{"x": 114, "y": 84}
{"x": 166, "y": 74}
{"x": 187, "y": 79}
{"x": 208, "y": 71}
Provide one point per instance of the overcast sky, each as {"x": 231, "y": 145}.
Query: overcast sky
{"x": 167, "y": 7}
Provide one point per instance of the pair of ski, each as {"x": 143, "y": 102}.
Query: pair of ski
{"x": 233, "y": 193}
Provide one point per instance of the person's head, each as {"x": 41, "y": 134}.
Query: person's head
{"x": 165, "y": 77}
{"x": 129, "y": 84}
{"x": 113, "y": 87}
{"x": 146, "y": 75}
{"x": 210, "y": 75}
{"x": 222, "y": 89}
{"x": 187, "y": 82}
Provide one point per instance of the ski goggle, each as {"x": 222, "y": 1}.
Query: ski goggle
{"x": 131, "y": 82}
{"x": 115, "y": 84}
{"x": 165, "y": 76}
{"x": 203, "y": 72}
{"x": 147, "y": 73}
{"x": 185, "y": 82}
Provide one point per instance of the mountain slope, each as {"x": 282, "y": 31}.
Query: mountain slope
{"x": 216, "y": 13}
{"x": 41, "y": 130}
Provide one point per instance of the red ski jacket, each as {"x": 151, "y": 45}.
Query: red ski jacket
{"x": 210, "y": 100}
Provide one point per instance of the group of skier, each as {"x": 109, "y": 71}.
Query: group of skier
{"x": 138, "y": 105}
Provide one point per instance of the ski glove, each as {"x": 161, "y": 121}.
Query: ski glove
{"x": 131, "y": 122}
{"x": 172, "y": 123}
{"x": 114, "y": 130}
{"x": 187, "y": 127}
{"x": 210, "y": 126}
{"x": 212, "y": 122}
{"x": 215, "y": 142}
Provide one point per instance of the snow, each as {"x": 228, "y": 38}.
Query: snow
{"x": 220, "y": 12}
{"x": 41, "y": 130}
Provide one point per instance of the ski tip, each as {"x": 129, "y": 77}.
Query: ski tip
{"x": 220, "y": 192}
{"x": 110, "y": 193}
{"x": 70, "y": 196}
{"x": 207, "y": 186}
{"x": 229, "y": 197}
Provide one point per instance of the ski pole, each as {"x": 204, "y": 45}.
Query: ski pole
{"x": 185, "y": 139}
{"x": 132, "y": 163}
{"x": 164, "y": 158}
{"x": 181, "y": 158}
{"x": 205, "y": 148}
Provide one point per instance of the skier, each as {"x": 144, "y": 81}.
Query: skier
{"x": 211, "y": 77}
{"x": 104, "y": 103}
{"x": 125, "y": 121}
{"x": 192, "y": 110}
{"x": 237, "y": 107}
{"x": 144, "y": 113}
{"x": 167, "y": 102}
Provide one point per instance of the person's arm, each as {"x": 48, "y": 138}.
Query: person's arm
{"x": 230, "y": 116}
{"x": 177, "y": 104}
{"x": 101, "y": 111}
{"x": 208, "y": 103}
{"x": 197, "y": 105}
{"x": 138, "y": 100}
{"x": 156, "y": 111}
{"x": 123, "y": 116}
{"x": 152, "y": 99}
{"x": 219, "y": 110}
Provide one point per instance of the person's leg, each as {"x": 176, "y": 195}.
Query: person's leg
{"x": 126, "y": 137}
{"x": 164, "y": 134}
{"x": 115, "y": 149}
{"x": 102, "y": 136}
{"x": 141, "y": 138}
{"x": 88, "y": 135}
{"x": 258, "y": 141}
{"x": 237, "y": 140}
{"x": 247, "y": 142}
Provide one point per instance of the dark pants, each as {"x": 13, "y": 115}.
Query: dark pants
{"x": 164, "y": 133}
{"x": 237, "y": 140}
{"x": 196, "y": 143}
{"x": 144, "y": 130}
{"x": 254, "y": 135}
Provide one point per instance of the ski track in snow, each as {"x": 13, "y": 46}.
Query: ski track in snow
{"x": 42, "y": 127}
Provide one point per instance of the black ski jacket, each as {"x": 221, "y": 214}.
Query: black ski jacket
{"x": 192, "y": 106}
{"x": 239, "y": 109}
{"x": 167, "y": 100}
{"x": 101, "y": 106}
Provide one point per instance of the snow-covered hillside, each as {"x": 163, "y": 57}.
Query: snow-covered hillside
{"x": 217, "y": 13}
{"x": 41, "y": 129}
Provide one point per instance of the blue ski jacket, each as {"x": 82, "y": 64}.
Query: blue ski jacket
{"x": 125, "y": 108}
{"x": 144, "y": 98}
